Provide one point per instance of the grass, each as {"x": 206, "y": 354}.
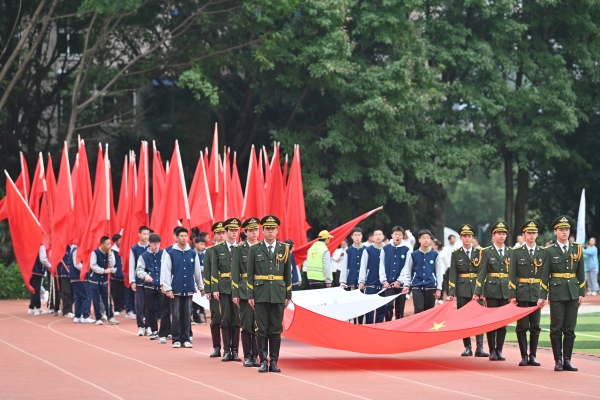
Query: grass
{"x": 587, "y": 331}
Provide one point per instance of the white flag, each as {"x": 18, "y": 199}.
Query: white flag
{"x": 581, "y": 220}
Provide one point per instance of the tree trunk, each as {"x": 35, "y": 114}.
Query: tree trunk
{"x": 508, "y": 194}
{"x": 521, "y": 200}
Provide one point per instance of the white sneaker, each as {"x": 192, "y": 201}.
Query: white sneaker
{"x": 59, "y": 312}
{"x": 42, "y": 312}
{"x": 88, "y": 320}
{"x": 594, "y": 293}
{"x": 99, "y": 322}
{"x": 70, "y": 315}
{"x": 148, "y": 331}
{"x": 113, "y": 321}
{"x": 37, "y": 311}
{"x": 162, "y": 340}
{"x": 188, "y": 345}
{"x": 140, "y": 332}
{"x": 176, "y": 345}
{"x": 77, "y": 320}
{"x": 104, "y": 318}
{"x": 130, "y": 314}
{"x": 117, "y": 313}
{"x": 31, "y": 311}
{"x": 191, "y": 340}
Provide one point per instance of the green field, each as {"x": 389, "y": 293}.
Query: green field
{"x": 587, "y": 331}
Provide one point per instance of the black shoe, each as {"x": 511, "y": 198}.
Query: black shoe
{"x": 533, "y": 361}
{"x": 234, "y": 355}
{"x": 524, "y": 362}
{"x": 493, "y": 355}
{"x": 567, "y": 366}
{"x": 226, "y": 335}
{"x": 522, "y": 339}
{"x": 499, "y": 355}
{"x": 558, "y": 366}
{"x": 273, "y": 367}
{"x": 248, "y": 361}
{"x": 255, "y": 362}
{"x": 264, "y": 366}
{"x": 263, "y": 351}
{"x": 491, "y": 338}
{"x": 226, "y": 356}
{"x": 467, "y": 353}
{"x": 557, "y": 351}
{"x": 216, "y": 352}
{"x": 500, "y": 335}
{"x": 480, "y": 352}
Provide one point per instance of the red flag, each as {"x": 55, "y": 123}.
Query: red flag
{"x": 267, "y": 174}
{"x": 276, "y": 196}
{"x": 48, "y": 203}
{"x": 235, "y": 190}
{"x": 82, "y": 191}
{"x": 339, "y": 234}
{"x": 62, "y": 221}
{"x": 130, "y": 232}
{"x": 295, "y": 212}
{"x": 25, "y": 231}
{"x": 141, "y": 195}
{"x": 51, "y": 180}
{"x": 22, "y": 184}
{"x": 37, "y": 187}
{"x": 158, "y": 179}
{"x": 285, "y": 172}
{"x": 253, "y": 199}
{"x": 123, "y": 195}
{"x": 99, "y": 167}
{"x": 213, "y": 168}
{"x": 98, "y": 221}
{"x": 200, "y": 205}
{"x": 173, "y": 207}
{"x": 220, "y": 201}
{"x": 114, "y": 225}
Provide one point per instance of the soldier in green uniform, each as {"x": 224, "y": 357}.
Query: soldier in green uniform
{"x": 461, "y": 281}
{"x": 269, "y": 290}
{"x": 524, "y": 289}
{"x": 222, "y": 260}
{"x": 239, "y": 275}
{"x": 563, "y": 277}
{"x": 492, "y": 283}
{"x": 215, "y": 313}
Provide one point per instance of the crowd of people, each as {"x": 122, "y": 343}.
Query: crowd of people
{"x": 248, "y": 283}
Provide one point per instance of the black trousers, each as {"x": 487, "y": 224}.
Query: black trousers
{"x": 563, "y": 319}
{"x": 66, "y": 295}
{"x": 268, "y": 320}
{"x": 180, "y": 318}
{"x": 423, "y": 299}
{"x": 445, "y": 283}
{"x": 397, "y": 304}
{"x": 230, "y": 312}
{"x": 336, "y": 278}
{"x": 153, "y": 296}
{"x": 53, "y": 293}
{"x": 529, "y": 322}
{"x": 35, "y": 300}
{"x": 246, "y": 317}
{"x": 165, "y": 318}
{"x": 494, "y": 303}
{"x": 117, "y": 291}
{"x": 215, "y": 312}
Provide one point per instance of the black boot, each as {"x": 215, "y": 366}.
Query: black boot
{"x": 522, "y": 339}
{"x": 226, "y": 344}
{"x": 235, "y": 342}
{"x": 500, "y": 335}
{"x": 468, "y": 351}
{"x": 479, "y": 351}
{"x": 263, "y": 347}
{"x": 557, "y": 351}
{"x": 568, "y": 350}
{"x": 533, "y": 344}
{"x": 246, "y": 346}
{"x": 215, "y": 333}
{"x": 491, "y": 338}
{"x": 274, "y": 345}
{"x": 254, "y": 352}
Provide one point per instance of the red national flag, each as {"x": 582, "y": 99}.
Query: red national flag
{"x": 98, "y": 221}
{"x": 62, "y": 221}
{"x": 25, "y": 231}
{"x": 276, "y": 196}
{"x": 253, "y": 199}
{"x": 213, "y": 169}
{"x": 235, "y": 190}
{"x": 37, "y": 187}
{"x": 22, "y": 183}
{"x": 158, "y": 179}
{"x": 339, "y": 234}
{"x": 130, "y": 231}
{"x": 295, "y": 213}
{"x": 123, "y": 196}
{"x": 174, "y": 206}
{"x": 200, "y": 205}
{"x": 82, "y": 191}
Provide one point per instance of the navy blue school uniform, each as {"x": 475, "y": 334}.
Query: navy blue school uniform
{"x": 371, "y": 265}
{"x": 149, "y": 264}
{"x": 98, "y": 281}
{"x": 140, "y": 308}
{"x": 351, "y": 266}
{"x": 81, "y": 294}
{"x": 295, "y": 274}
{"x": 395, "y": 259}
{"x": 424, "y": 274}
{"x": 63, "y": 272}
{"x": 117, "y": 283}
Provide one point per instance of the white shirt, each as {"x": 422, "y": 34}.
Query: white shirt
{"x": 405, "y": 277}
{"x": 562, "y": 245}
{"x": 362, "y": 275}
{"x": 530, "y": 248}
{"x": 503, "y": 248}
{"x": 230, "y": 245}
{"x": 337, "y": 259}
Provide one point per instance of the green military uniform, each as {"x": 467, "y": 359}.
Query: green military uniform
{"x": 215, "y": 312}
{"x": 563, "y": 279}
{"x": 269, "y": 285}
{"x": 239, "y": 275}
{"x": 492, "y": 283}
{"x": 525, "y": 274}
{"x": 461, "y": 284}
{"x": 222, "y": 261}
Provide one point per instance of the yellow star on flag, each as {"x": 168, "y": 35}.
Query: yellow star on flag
{"x": 437, "y": 327}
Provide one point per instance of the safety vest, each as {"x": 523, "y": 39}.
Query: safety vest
{"x": 315, "y": 269}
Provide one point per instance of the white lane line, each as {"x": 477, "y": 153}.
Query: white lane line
{"x": 24, "y": 320}
{"x": 63, "y": 370}
{"x": 321, "y": 386}
{"x": 576, "y": 333}
{"x": 392, "y": 376}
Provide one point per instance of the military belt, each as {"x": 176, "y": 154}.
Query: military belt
{"x": 225, "y": 275}
{"x": 243, "y": 275}
{"x": 497, "y": 275}
{"x": 531, "y": 281}
{"x": 565, "y": 276}
{"x": 268, "y": 277}
{"x": 467, "y": 275}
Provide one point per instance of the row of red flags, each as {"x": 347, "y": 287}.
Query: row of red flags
{"x": 58, "y": 213}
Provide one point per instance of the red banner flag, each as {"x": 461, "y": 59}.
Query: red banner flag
{"x": 200, "y": 205}
{"x": 295, "y": 213}
{"x": 235, "y": 190}
{"x": 254, "y": 198}
{"x": 339, "y": 234}
{"x": 22, "y": 184}
{"x": 130, "y": 232}
{"x": 37, "y": 187}
{"x": 276, "y": 197}
{"x": 158, "y": 179}
{"x": 48, "y": 204}
{"x": 25, "y": 231}
{"x": 123, "y": 195}
{"x": 82, "y": 191}
{"x": 214, "y": 169}
{"x": 63, "y": 219}
{"x": 141, "y": 213}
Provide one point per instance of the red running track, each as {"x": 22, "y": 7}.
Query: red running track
{"x": 52, "y": 358}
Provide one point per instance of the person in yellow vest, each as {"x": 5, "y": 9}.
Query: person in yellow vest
{"x": 318, "y": 269}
